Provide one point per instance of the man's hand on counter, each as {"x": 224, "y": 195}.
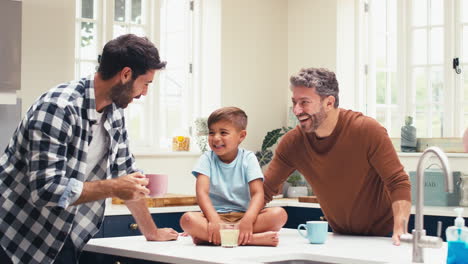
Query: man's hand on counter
{"x": 163, "y": 234}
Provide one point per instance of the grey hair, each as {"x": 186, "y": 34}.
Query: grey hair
{"x": 323, "y": 80}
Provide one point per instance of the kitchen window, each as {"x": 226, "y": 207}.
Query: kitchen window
{"x": 168, "y": 109}
{"x": 411, "y": 47}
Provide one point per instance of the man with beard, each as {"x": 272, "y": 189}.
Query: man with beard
{"x": 69, "y": 153}
{"x": 347, "y": 158}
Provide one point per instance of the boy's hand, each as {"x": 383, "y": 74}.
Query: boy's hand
{"x": 245, "y": 231}
{"x": 213, "y": 233}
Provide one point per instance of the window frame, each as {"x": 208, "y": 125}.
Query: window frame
{"x": 149, "y": 143}
{"x": 453, "y": 119}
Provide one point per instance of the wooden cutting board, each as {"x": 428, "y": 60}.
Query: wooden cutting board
{"x": 167, "y": 200}
{"x": 308, "y": 199}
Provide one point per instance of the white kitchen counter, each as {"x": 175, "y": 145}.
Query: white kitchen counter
{"x": 113, "y": 209}
{"x": 338, "y": 248}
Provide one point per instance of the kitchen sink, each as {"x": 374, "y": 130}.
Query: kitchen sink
{"x": 298, "y": 261}
{"x": 302, "y": 258}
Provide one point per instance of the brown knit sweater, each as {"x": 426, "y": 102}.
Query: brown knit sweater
{"x": 355, "y": 173}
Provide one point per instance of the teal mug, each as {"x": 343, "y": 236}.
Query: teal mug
{"x": 317, "y": 231}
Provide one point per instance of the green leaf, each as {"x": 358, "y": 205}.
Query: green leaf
{"x": 271, "y": 138}
{"x": 264, "y": 157}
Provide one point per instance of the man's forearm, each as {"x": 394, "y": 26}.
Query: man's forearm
{"x": 143, "y": 217}
{"x": 94, "y": 191}
{"x": 401, "y": 211}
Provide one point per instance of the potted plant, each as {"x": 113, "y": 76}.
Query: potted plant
{"x": 265, "y": 155}
{"x": 297, "y": 185}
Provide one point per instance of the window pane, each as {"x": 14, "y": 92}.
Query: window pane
{"x": 119, "y": 30}
{"x": 464, "y": 10}
{"x": 381, "y": 51}
{"x": 136, "y": 114}
{"x": 464, "y": 45}
{"x": 177, "y": 19}
{"x": 394, "y": 87}
{"x": 420, "y": 85}
{"x": 175, "y": 82}
{"x": 421, "y": 125}
{"x": 437, "y": 12}
{"x": 119, "y": 10}
{"x": 419, "y": 12}
{"x": 437, "y": 45}
{"x": 87, "y": 9}
{"x": 88, "y": 49}
{"x": 380, "y": 116}
{"x": 392, "y": 16}
{"x": 136, "y": 12}
{"x": 176, "y": 49}
{"x": 380, "y": 11}
{"x": 139, "y": 31}
{"x": 437, "y": 84}
{"x": 381, "y": 84}
{"x": 420, "y": 46}
{"x": 396, "y": 123}
{"x": 87, "y": 68}
{"x": 437, "y": 121}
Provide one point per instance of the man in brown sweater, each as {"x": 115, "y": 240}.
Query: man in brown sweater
{"x": 346, "y": 157}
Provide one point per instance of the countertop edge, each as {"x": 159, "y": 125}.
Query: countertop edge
{"x": 112, "y": 209}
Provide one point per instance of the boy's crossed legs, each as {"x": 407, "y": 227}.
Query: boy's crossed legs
{"x": 265, "y": 229}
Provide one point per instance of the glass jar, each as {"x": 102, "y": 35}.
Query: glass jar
{"x": 180, "y": 143}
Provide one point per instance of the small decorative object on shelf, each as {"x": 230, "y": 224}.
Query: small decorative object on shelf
{"x": 180, "y": 143}
{"x": 408, "y": 136}
{"x": 201, "y": 133}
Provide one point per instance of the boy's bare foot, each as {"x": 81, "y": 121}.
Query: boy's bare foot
{"x": 269, "y": 238}
{"x": 198, "y": 241}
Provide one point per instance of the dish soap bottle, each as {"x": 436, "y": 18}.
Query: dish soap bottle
{"x": 457, "y": 238}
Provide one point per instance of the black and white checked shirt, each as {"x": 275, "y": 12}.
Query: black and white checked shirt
{"x": 43, "y": 169}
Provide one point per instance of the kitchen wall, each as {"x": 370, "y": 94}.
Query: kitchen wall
{"x": 48, "y": 48}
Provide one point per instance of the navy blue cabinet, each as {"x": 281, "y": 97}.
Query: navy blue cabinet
{"x": 91, "y": 257}
{"x": 125, "y": 225}
{"x": 300, "y": 215}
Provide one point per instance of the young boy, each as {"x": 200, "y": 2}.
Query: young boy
{"x": 229, "y": 187}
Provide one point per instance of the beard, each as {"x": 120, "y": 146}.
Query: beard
{"x": 316, "y": 119}
{"x": 122, "y": 94}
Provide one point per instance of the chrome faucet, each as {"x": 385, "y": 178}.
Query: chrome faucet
{"x": 419, "y": 238}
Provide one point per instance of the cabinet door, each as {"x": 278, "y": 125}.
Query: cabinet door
{"x": 168, "y": 220}
{"x": 300, "y": 215}
{"x": 120, "y": 225}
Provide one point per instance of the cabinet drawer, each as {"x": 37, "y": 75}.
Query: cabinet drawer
{"x": 120, "y": 225}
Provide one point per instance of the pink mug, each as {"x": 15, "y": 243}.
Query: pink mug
{"x": 157, "y": 184}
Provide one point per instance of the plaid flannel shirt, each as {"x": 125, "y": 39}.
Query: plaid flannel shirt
{"x": 46, "y": 155}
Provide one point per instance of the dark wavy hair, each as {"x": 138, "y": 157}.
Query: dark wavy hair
{"x": 137, "y": 53}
